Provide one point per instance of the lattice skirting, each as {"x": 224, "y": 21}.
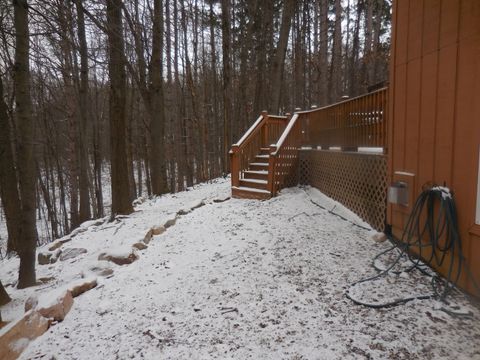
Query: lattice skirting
{"x": 358, "y": 181}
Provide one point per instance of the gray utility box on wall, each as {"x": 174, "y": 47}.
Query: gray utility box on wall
{"x": 398, "y": 193}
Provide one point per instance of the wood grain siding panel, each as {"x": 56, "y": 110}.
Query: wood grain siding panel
{"x": 465, "y": 142}
{"x": 428, "y": 114}
{"x": 447, "y": 74}
{"x": 391, "y": 102}
{"x": 412, "y": 121}
{"x": 470, "y": 19}
{"x": 449, "y": 22}
{"x": 399, "y": 115}
{"x": 415, "y": 29}
{"x": 431, "y": 25}
{"x": 402, "y": 32}
{"x": 435, "y": 102}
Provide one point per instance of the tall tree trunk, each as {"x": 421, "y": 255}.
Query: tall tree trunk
{"x": 157, "y": 125}
{"x": 84, "y": 184}
{"x": 8, "y": 178}
{"x": 279, "y": 60}
{"x": 367, "y": 68}
{"x": 226, "y": 84}
{"x": 121, "y": 202}
{"x": 323, "y": 53}
{"x": 352, "y": 68}
{"x": 336, "y": 64}
{"x": 26, "y": 163}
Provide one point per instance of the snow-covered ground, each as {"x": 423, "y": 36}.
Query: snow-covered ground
{"x": 241, "y": 279}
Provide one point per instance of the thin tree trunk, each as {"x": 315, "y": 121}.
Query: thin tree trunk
{"x": 279, "y": 60}
{"x": 84, "y": 184}
{"x": 8, "y": 178}
{"x": 157, "y": 125}
{"x": 121, "y": 202}
{"x": 336, "y": 64}
{"x": 226, "y": 84}
{"x": 323, "y": 53}
{"x": 26, "y": 164}
{"x": 353, "y": 79}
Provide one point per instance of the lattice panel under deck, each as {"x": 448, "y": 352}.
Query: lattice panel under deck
{"x": 358, "y": 181}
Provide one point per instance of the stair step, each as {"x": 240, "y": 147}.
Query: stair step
{"x": 242, "y": 192}
{"x": 255, "y": 174}
{"x": 258, "y": 166}
{"x": 254, "y": 183}
{"x": 265, "y": 151}
{"x": 265, "y": 156}
{"x": 258, "y": 172}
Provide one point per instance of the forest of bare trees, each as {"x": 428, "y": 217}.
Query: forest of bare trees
{"x": 144, "y": 97}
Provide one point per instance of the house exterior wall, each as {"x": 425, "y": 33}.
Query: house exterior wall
{"x": 434, "y": 110}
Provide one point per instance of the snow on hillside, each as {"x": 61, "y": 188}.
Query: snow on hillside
{"x": 239, "y": 279}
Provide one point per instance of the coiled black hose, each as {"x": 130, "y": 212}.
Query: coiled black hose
{"x": 433, "y": 227}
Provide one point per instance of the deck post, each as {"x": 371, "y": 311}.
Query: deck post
{"x": 271, "y": 170}
{"x": 265, "y": 128}
{"x": 235, "y": 166}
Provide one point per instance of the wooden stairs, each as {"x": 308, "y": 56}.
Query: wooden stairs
{"x": 253, "y": 183}
{"x": 263, "y": 160}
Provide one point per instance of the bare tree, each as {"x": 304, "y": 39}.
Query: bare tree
{"x": 8, "y": 177}
{"x": 84, "y": 183}
{"x": 121, "y": 202}
{"x": 26, "y": 164}
{"x": 279, "y": 59}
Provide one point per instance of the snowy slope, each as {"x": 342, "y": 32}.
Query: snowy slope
{"x": 241, "y": 279}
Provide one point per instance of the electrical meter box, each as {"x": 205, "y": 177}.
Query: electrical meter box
{"x": 398, "y": 193}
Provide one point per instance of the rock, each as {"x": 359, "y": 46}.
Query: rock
{"x": 197, "y": 204}
{"x": 15, "y": 337}
{"x": 140, "y": 246}
{"x": 31, "y": 303}
{"x": 120, "y": 256}
{"x": 155, "y": 230}
{"x": 55, "y": 256}
{"x": 148, "y": 236}
{"x": 158, "y": 230}
{"x": 77, "y": 231}
{"x": 44, "y": 258}
{"x": 71, "y": 253}
{"x": 102, "y": 269}
{"x": 46, "y": 279}
{"x": 52, "y": 305}
{"x": 184, "y": 211}
{"x": 170, "y": 222}
{"x": 65, "y": 239}
{"x": 80, "y": 286}
{"x": 55, "y": 245}
{"x": 105, "y": 272}
{"x": 379, "y": 237}
{"x": 55, "y": 304}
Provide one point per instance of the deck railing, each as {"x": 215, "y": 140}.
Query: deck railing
{"x": 350, "y": 124}
{"x": 284, "y": 156}
{"x": 265, "y": 131}
{"x": 347, "y": 125}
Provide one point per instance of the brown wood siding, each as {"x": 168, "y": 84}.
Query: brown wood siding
{"x": 434, "y": 123}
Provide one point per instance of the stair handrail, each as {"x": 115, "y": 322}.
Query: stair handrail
{"x": 275, "y": 150}
{"x": 235, "y": 152}
{"x": 252, "y": 128}
{"x": 285, "y": 133}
